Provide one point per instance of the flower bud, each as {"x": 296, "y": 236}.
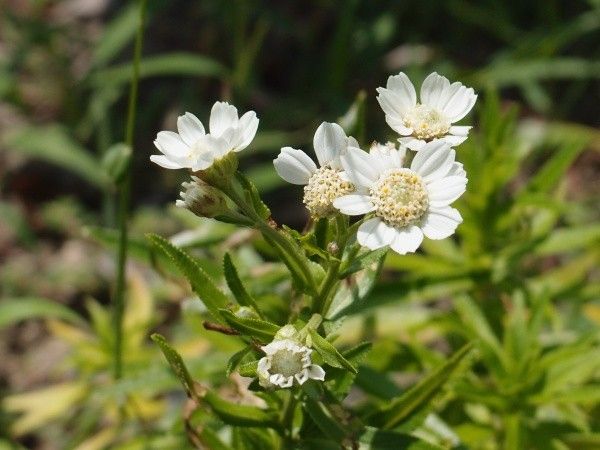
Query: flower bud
{"x": 220, "y": 172}
{"x": 202, "y": 199}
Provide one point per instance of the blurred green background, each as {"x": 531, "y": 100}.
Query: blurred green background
{"x": 531, "y": 213}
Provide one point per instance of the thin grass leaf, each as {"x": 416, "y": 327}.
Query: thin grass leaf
{"x": 236, "y": 286}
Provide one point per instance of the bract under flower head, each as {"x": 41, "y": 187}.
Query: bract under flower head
{"x": 441, "y": 105}
{"x": 193, "y": 148}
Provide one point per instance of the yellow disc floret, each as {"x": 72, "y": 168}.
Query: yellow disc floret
{"x": 400, "y": 197}
{"x": 426, "y": 123}
{"x": 323, "y": 187}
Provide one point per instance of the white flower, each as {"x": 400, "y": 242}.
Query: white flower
{"x": 194, "y": 149}
{"x": 323, "y": 184}
{"x": 442, "y": 104}
{"x": 406, "y": 203}
{"x": 287, "y": 362}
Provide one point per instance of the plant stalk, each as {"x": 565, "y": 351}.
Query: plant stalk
{"x": 125, "y": 199}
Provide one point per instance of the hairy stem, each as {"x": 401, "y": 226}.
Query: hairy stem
{"x": 124, "y": 200}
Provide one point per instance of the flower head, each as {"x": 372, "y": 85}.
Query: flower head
{"x": 407, "y": 203}
{"x": 441, "y": 105}
{"x": 201, "y": 199}
{"x": 287, "y": 362}
{"x": 193, "y": 148}
{"x": 322, "y": 184}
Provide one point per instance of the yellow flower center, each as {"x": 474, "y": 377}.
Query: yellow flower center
{"x": 400, "y": 197}
{"x": 427, "y": 123}
{"x": 323, "y": 187}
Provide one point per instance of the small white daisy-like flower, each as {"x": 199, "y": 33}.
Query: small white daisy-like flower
{"x": 441, "y": 105}
{"x": 193, "y": 148}
{"x": 287, "y": 362}
{"x": 407, "y": 203}
{"x": 322, "y": 184}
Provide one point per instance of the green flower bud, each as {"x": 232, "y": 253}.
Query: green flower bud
{"x": 202, "y": 199}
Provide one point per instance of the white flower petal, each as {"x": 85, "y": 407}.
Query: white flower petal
{"x": 396, "y": 123}
{"x": 315, "y": 372}
{"x": 165, "y": 162}
{"x": 459, "y": 102}
{"x": 452, "y": 140}
{"x": 294, "y": 166}
{"x": 264, "y": 364}
{"x": 359, "y": 167}
{"x": 329, "y": 142}
{"x": 433, "y": 161}
{"x": 302, "y": 376}
{"x": 274, "y": 347}
{"x": 402, "y": 86}
{"x": 247, "y": 127}
{"x": 171, "y": 144}
{"x": 407, "y": 239}
{"x": 457, "y": 170}
{"x": 444, "y": 191}
{"x": 460, "y": 130}
{"x": 413, "y": 143}
{"x": 354, "y": 204}
{"x": 190, "y": 128}
{"x": 374, "y": 234}
{"x": 434, "y": 91}
{"x": 439, "y": 223}
{"x": 388, "y": 156}
{"x": 222, "y": 116}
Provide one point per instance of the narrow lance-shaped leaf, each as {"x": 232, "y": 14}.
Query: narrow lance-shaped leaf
{"x": 329, "y": 353}
{"x": 16, "y": 309}
{"x": 201, "y": 283}
{"x": 236, "y": 359}
{"x": 177, "y": 364}
{"x": 236, "y": 286}
{"x": 259, "y": 329}
{"x": 242, "y": 415}
{"x": 362, "y": 262}
{"x": 421, "y": 395}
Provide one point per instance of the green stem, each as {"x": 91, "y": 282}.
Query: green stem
{"x": 271, "y": 234}
{"x": 323, "y": 301}
{"x": 124, "y": 200}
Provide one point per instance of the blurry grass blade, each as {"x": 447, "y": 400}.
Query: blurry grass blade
{"x": 569, "y": 239}
{"x": 423, "y": 393}
{"x": 172, "y": 64}
{"x": 236, "y": 286}
{"x": 362, "y": 262}
{"x": 119, "y": 32}
{"x": 321, "y": 416}
{"x": 241, "y": 415}
{"x": 374, "y": 439}
{"x": 236, "y": 359}
{"x": 555, "y": 168}
{"x": 329, "y": 353}
{"x": 116, "y": 160}
{"x": 177, "y": 364}
{"x": 201, "y": 283}
{"x": 53, "y": 143}
{"x": 13, "y": 310}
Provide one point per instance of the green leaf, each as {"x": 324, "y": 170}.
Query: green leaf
{"x": 172, "y": 64}
{"x": 343, "y": 378}
{"x": 236, "y": 286}
{"x": 322, "y": 417}
{"x": 570, "y": 239}
{"x": 116, "y": 161}
{"x": 262, "y": 330}
{"x": 236, "y": 359}
{"x": 421, "y": 395}
{"x": 555, "y": 168}
{"x": 241, "y": 415}
{"x": 375, "y": 439}
{"x": 119, "y": 32}
{"x": 363, "y": 261}
{"x": 202, "y": 285}
{"x": 177, "y": 364}
{"x": 14, "y": 310}
{"x": 53, "y": 143}
{"x": 248, "y": 369}
{"x": 329, "y": 353}
{"x": 253, "y": 196}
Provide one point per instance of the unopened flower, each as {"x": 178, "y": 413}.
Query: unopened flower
{"x": 322, "y": 184}
{"x": 201, "y": 199}
{"x": 407, "y": 203}
{"x": 193, "y": 148}
{"x": 287, "y": 362}
{"x": 441, "y": 105}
